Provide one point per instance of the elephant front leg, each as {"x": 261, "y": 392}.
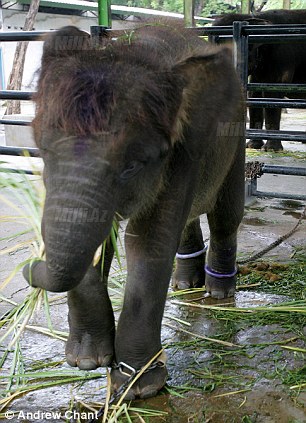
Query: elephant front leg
{"x": 151, "y": 241}
{"x": 150, "y": 249}
{"x": 91, "y": 321}
{"x": 138, "y": 336}
{"x": 190, "y": 258}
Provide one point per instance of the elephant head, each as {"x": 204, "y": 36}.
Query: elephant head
{"x": 106, "y": 124}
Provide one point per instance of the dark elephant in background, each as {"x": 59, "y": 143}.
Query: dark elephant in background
{"x": 141, "y": 128}
{"x": 274, "y": 63}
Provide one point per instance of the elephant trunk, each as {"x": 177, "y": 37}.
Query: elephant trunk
{"x": 72, "y": 232}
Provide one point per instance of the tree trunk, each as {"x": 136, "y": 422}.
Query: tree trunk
{"x": 286, "y": 4}
{"x": 262, "y": 5}
{"x": 245, "y": 6}
{"x": 15, "y": 78}
{"x": 199, "y": 5}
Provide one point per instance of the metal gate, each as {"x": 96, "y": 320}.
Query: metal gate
{"x": 13, "y": 36}
{"x": 242, "y": 34}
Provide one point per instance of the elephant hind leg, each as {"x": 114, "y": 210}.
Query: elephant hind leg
{"x": 224, "y": 220}
{"x": 91, "y": 321}
{"x": 190, "y": 258}
{"x": 221, "y": 283}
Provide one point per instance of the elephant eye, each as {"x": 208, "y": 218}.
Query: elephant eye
{"x": 132, "y": 169}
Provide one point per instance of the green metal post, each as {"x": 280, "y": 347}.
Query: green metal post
{"x": 104, "y": 13}
{"x": 189, "y": 13}
{"x": 245, "y": 6}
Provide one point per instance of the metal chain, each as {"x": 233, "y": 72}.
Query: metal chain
{"x": 120, "y": 391}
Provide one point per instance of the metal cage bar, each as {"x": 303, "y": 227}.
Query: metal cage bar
{"x": 276, "y": 102}
{"x": 276, "y": 135}
{"x": 255, "y": 86}
{"x": 243, "y": 35}
{"x": 23, "y": 35}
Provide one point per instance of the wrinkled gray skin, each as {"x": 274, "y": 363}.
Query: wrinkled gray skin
{"x": 167, "y": 147}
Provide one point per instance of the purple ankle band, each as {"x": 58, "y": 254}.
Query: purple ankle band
{"x": 211, "y": 272}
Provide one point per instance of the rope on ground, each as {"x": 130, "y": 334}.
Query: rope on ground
{"x": 275, "y": 243}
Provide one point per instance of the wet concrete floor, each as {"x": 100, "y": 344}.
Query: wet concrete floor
{"x": 208, "y": 382}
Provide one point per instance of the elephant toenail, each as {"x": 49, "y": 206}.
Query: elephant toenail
{"x": 182, "y": 285}
{"x": 87, "y": 364}
{"x": 71, "y": 360}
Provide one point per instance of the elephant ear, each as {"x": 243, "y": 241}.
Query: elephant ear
{"x": 201, "y": 92}
{"x": 65, "y": 42}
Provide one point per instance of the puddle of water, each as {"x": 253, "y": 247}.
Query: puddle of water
{"x": 267, "y": 334}
{"x": 268, "y": 238}
{"x": 261, "y": 403}
{"x": 199, "y": 405}
{"x": 296, "y": 215}
{"x": 287, "y": 205}
{"x": 254, "y": 221}
{"x": 245, "y": 299}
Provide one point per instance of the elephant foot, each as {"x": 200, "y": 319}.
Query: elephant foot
{"x": 88, "y": 351}
{"x": 273, "y": 145}
{"x": 147, "y": 386}
{"x": 91, "y": 324}
{"x": 256, "y": 144}
{"x": 189, "y": 273}
{"x": 220, "y": 286}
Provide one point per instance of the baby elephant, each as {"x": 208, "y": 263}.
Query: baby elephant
{"x": 148, "y": 127}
